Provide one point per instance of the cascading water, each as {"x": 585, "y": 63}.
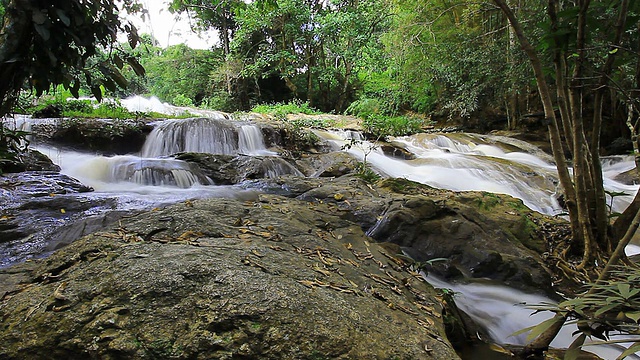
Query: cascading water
{"x": 251, "y": 141}
{"x": 205, "y": 135}
{"x": 472, "y": 162}
{"x": 466, "y": 162}
{"x": 502, "y": 311}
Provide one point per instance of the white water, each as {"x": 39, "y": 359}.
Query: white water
{"x": 213, "y": 135}
{"x": 138, "y": 103}
{"x": 153, "y": 175}
{"x": 251, "y": 141}
{"x": 502, "y": 311}
{"x": 465, "y": 162}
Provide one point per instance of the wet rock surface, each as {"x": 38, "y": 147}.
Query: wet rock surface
{"x": 106, "y": 136}
{"x": 234, "y": 169}
{"x": 479, "y": 235}
{"x": 31, "y": 160}
{"x": 268, "y": 278}
{"x": 33, "y": 205}
{"x": 312, "y": 267}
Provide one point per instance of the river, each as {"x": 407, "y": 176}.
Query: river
{"x": 457, "y": 162}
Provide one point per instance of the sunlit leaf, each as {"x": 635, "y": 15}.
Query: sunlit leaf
{"x": 631, "y": 350}
{"x": 543, "y": 326}
{"x": 624, "y": 290}
{"x": 635, "y": 316}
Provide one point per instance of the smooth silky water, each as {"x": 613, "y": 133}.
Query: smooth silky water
{"x": 464, "y": 162}
{"x": 150, "y": 179}
{"x": 458, "y": 162}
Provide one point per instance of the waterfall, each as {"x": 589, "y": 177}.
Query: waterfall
{"x": 156, "y": 172}
{"x": 205, "y": 135}
{"x": 215, "y": 135}
{"x": 126, "y": 172}
{"x": 251, "y": 141}
{"x": 274, "y": 167}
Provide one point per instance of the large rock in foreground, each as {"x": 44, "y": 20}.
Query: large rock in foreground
{"x": 267, "y": 278}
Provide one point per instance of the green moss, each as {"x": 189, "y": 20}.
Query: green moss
{"x": 488, "y": 201}
{"x": 527, "y": 232}
{"x": 162, "y": 348}
{"x": 404, "y": 186}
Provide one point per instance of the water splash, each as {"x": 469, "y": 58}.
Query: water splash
{"x": 447, "y": 163}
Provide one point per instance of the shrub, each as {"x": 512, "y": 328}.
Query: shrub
{"x": 282, "y": 109}
{"x": 181, "y": 100}
{"x": 380, "y": 126}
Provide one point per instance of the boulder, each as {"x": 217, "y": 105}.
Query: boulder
{"x": 102, "y": 135}
{"x": 234, "y": 169}
{"x": 268, "y": 278}
{"x": 31, "y": 160}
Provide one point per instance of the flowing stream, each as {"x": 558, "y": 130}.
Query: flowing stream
{"x": 457, "y": 162}
{"x": 471, "y": 162}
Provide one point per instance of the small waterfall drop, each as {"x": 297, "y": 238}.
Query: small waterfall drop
{"x": 251, "y": 141}
{"x": 205, "y": 135}
{"x": 213, "y": 135}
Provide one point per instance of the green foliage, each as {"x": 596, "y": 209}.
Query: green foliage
{"x": 178, "y": 74}
{"x": 381, "y": 127}
{"x": 221, "y": 101}
{"x": 181, "y": 100}
{"x": 366, "y": 173}
{"x": 59, "y": 42}
{"x": 280, "y": 110}
{"x": 13, "y": 144}
{"x": 612, "y": 307}
{"x": 365, "y": 108}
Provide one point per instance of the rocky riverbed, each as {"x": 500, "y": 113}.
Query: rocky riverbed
{"x": 291, "y": 267}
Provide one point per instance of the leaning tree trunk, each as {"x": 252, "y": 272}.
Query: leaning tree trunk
{"x": 583, "y": 174}
{"x": 602, "y": 219}
{"x": 547, "y": 103}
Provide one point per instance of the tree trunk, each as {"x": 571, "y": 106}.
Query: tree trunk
{"x": 547, "y": 103}
{"x": 600, "y": 198}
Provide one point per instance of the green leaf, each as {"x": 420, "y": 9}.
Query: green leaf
{"x": 118, "y": 61}
{"x": 75, "y": 89}
{"x": 624, "y": 290}
{"x": 635, "y": 316}
{"x": 631, "y": 350}
{"x": 119, "y": 79}
{"x": 63, "y": 17}
{"x": 43, "y": 32}
{"x": 135, "y": 65}
{"x": 97, "y": 92}
{"x": 536, "y": 330}
{"x": 573, "y": 351}
{"x": 606, "y": 308}
{"x": 613, "y": 51}
{"x": 39, "y": 17}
